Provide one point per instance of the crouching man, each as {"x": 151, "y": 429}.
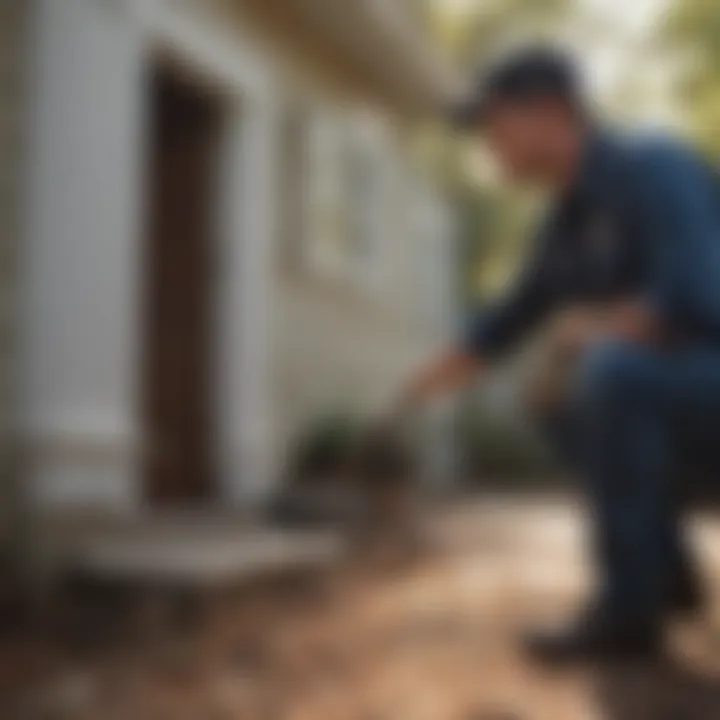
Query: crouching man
{"x": 629, "y": 256}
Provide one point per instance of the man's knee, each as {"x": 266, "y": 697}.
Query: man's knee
{"x": 615, "y": 370}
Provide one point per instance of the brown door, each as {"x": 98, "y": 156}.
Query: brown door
{"x": 179, "y": 292}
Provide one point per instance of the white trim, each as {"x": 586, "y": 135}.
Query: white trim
{"x": 224, "y": 55}
{"x": 245, "y": 318}
{"x": 81, "y": 415}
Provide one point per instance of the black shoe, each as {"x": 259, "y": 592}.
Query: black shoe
{"x": 595, "y": 637}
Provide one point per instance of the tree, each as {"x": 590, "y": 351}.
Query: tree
{"x": 493, "y": 220}
{"x": 693, "y": 34}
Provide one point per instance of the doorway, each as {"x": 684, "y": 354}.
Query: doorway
{"x": 180, "y": 291}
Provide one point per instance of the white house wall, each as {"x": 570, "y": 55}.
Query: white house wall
{"x": 82, "y": 267}
{"x": 345, "y": 343}
{"x": 81, "y": 259}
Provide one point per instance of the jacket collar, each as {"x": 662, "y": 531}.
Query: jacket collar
{"x": 597, "y": 167}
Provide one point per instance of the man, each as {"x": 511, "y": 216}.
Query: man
{"x": 634, "y": 235}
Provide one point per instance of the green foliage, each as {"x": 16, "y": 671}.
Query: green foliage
{"x": 692, "y": 30}
{"x": 323, "y": 448}
{"x": 470, "y": 36}
{"x": 492, "y": 222}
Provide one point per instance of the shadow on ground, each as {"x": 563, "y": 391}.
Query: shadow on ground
{"x": 434, "y": 640}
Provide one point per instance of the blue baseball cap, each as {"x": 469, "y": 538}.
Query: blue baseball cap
{"x": 526, "y": 74}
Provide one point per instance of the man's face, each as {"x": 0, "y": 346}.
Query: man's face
{"x": 534, "y": 141}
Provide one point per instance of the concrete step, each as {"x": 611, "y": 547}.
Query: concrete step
{"x": 187, "y": 552}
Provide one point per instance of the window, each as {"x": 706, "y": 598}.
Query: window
{"x": 345, "y": 198}
{"x": 325, "y": 228}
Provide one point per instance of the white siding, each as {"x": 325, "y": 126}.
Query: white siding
{"x": 83, "y": 264}
{"x": 79, "y": 345}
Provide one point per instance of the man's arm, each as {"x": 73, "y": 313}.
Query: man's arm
{"x": 573, "y": 330}
{"x": 674, "y": 205}
{"x": 452, "y": 371}
{"x": 490, "y": 333}
{"x": 629, "y": 319}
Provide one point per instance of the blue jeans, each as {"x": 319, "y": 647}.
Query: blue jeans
{"x": 631, "y": 410}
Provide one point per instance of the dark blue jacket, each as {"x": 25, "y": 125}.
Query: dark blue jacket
{"x": 642, "y": 221}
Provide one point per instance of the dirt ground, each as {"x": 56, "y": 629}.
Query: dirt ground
{"x": 431, "y": 641}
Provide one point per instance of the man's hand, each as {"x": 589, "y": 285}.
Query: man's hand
{"x": 578, "y": 326}
{"x": 572, "y": 330}
{"x": 634, "y": 320}
{"x": 570, "y": 334}
{"x": 450, "y": 372}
